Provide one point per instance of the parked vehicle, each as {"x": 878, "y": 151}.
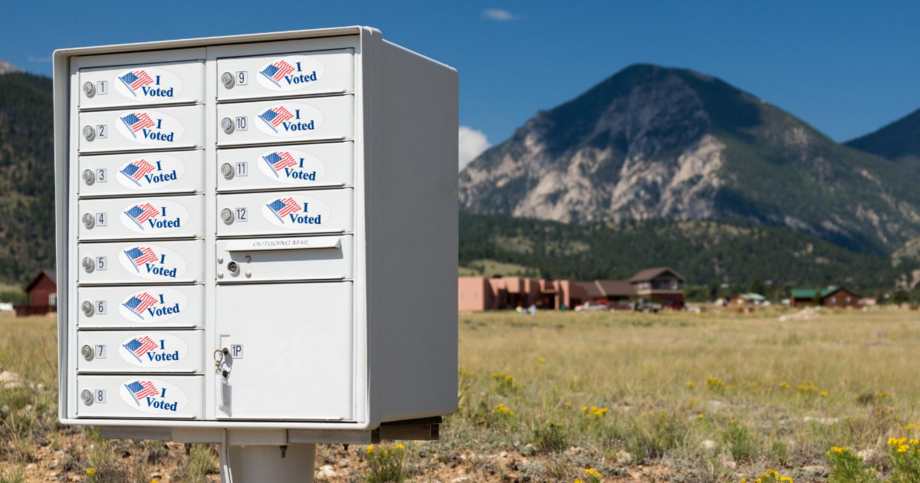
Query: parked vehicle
{"x": 593, "y": 307}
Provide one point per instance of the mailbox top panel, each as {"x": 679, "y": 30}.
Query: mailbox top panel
{"x": 289, "y": 74}
{"x": 142, "y": 84}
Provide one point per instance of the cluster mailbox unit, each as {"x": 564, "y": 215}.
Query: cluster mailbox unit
{"x": 256, "y": 238}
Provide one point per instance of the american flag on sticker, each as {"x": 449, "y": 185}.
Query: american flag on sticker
{"x": 141, "y": 213}
{"x": 137, "y": 170}
{"x": 140, "y": 255}
{"x": 135, "y": 80}
{"x": 137, "y": 121}
{"x": 283, "y": 207}
{"x": 139, "y": 347}
{"x": 137, "y": 304}
{"x": 276, "y": 71}
{"x": 279, "y": 160}
{"x": 275, "y": 116}
{"x": 141, "y": 389}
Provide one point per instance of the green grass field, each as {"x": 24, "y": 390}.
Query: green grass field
{"x": 672, "y": 397}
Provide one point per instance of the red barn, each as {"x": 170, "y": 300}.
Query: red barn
{"x": 42, "y": 292}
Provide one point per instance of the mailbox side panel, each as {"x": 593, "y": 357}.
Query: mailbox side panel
{"x": 412, "y": 233}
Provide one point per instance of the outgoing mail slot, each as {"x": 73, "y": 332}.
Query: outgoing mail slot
{"x": 135, "y": 85}
{"x": 140, "y": 262}
{"x": 141, "y": 128}
{"x": 125, "y": 218}
{"x": 285, "y": 167}
{"x": 140, "y": 351}
{"x": 141, "y": 173}
{"x": 293, "y": 74}
{"x": 140, "y": 396}
{"x": 155, "y": 307}
{"x": 285, "y": 213}
{"x": 280, "y": 121}
{"x": 301, "y": 335}
{"x": 279, "y": 259}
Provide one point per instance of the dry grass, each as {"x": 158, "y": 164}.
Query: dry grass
{"x": 851, "y": 380}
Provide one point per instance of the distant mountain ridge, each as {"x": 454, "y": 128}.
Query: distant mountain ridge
{"x": 897, "y": 140}
{"x": 661, "y": 143}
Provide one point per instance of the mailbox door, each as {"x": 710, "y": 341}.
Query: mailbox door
{"x": 178, "y": 306}
{"x": 281, "y": 121}
{"x": 127, "y": 218}
{"x": 140, "y": 351}
{"x": 141, "y": 129}
{"x": 293, "y": 74}
{"x": 142, "y": 173}
{"x": 177, "y": 82}
{"x": 297, "y": 347}
{"x": 139, "y": 262}
{"x": 140, "y": 396}
{"x": 286, "y": 167}
{"x": 285, "y": 213}
{"x": 282, "y": 259}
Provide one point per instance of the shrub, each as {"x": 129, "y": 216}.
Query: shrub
{"x": 905, "y": 460}
{"x": 846, "y": 467}
{"x": 550, "y": 438}
{"x": 741, "y": 444}
{"x": 385, "y": 465}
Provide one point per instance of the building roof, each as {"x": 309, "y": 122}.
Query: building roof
{"x": 650, "y": 273}
{"x": 44, "y": 272}
{"x": 753, "y": 296}
{"x": 592, "y": 291}
{"x": 808, "y": 293}
{"x": 615, "y": 288}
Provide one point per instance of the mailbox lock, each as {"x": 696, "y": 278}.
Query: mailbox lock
{"x": 226, "y": 79}
{"x": 226, "y": 215}
{"x": 87, "y": 352}
{"x": 88, "y": 176}
{"x": 233, "y": 268}
{"x": 87, "y": 397}
{"x": 226, "y": 170}
{"x": 89, "y": 132}
{"x": 88, "y": 264}
{"x": 88, "y": 220}
{"x": 89, "y": 89}
{"x": 87, "y": 308}
{"x": 226, "y": 124}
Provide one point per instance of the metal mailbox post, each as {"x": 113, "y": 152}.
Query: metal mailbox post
{"x": 257, "y": 243}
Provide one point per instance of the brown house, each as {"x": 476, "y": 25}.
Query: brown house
{"x": 42, "y": 292}
{"x": 829, "y": 297}
{"x": 662, "y": 285}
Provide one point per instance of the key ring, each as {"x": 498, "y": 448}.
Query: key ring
{"x": 218, "y": 352}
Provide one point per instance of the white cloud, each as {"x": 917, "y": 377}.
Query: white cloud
{"x": 472, "y": 144}
{"x": 498, "y": 15}
{"x": 40, "y": 60}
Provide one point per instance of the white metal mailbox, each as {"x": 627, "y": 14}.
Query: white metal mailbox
{"x": 256, "y": 233}
{"x": 141, "y": 174}
{"x": 297, "y": 166}
{"x": 140, "y": 262}
{"x": 153, "y": 306}
{"x": 141, "y": 128}
{"x": 134, "y": 85}
{"x": 287, "y": 74}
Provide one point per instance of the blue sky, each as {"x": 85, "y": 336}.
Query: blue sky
{"x": 845, "y": 67}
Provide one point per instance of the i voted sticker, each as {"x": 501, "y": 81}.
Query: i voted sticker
{"x": 297, "y": 212}
{"x": 291, "y": 166}
{"x": 151, "y": 172}
{"x": 289, "y": 119}
{"x": 291, "y": 73}
{"x": 154, "y": 217}
{"x": 153, "y": 305}
{"x": 153, "y": 350}
{"x": 148, "y": 85}
{"x": 153, "y": 396}
{"x": 152, "y": 262}
{"x": 151, "y": 128}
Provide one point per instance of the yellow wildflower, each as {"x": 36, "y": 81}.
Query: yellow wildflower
{"x": 399, "y": 446}
{"x": 823, "y": 393}
{"x": 593, "y": 472}
{"x": 541, "y": 359}
{"x": 370, "y": 449}
{"x": 91, "y": 471}
{"x": 568, "y": 404}
{"x": 690, "y": 384}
